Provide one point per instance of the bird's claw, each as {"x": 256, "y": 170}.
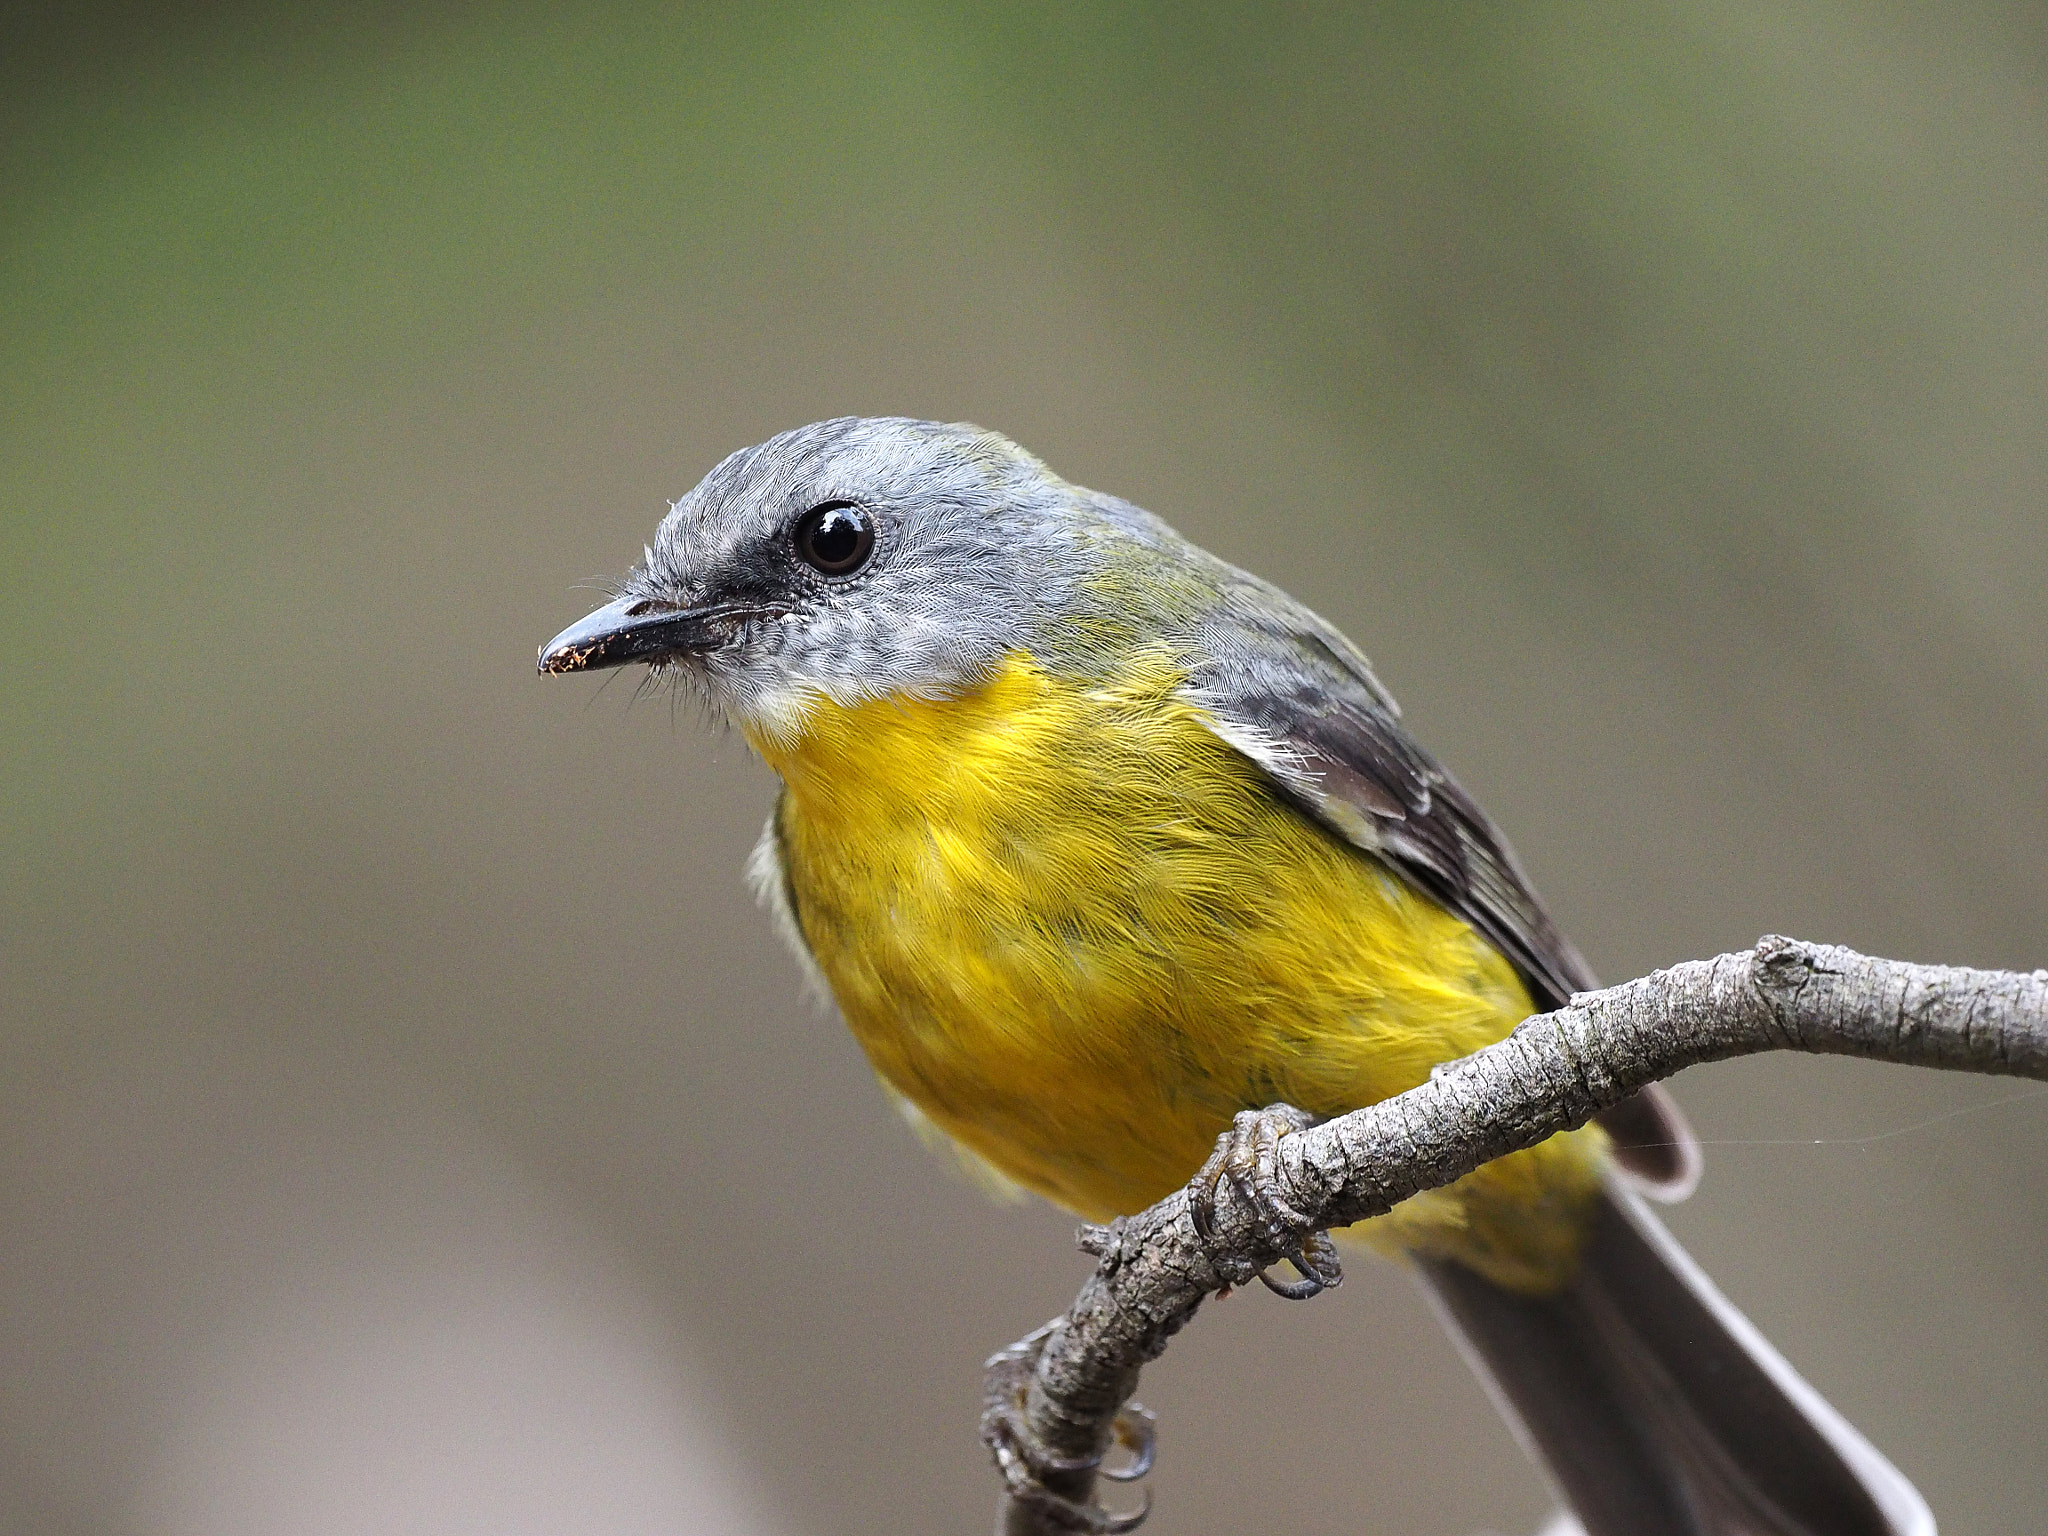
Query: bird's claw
{"x": 1318, "y": 1265}
{"x": 1248, "y": 1154}
{"x": 1137, "y": 1431}
{"x": 1025, "y": 1469}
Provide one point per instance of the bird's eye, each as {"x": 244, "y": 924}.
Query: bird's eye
{"x": 836, "y": 538}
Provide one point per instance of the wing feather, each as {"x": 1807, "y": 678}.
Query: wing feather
{"x": 1301, "y": 701}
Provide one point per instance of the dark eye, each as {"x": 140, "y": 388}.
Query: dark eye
{"x": 835, "y": 538}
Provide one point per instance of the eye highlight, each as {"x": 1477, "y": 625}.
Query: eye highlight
{"x": 834, "y": 539}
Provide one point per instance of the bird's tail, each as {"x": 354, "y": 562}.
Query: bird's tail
{"x": 1658, "y": 1408}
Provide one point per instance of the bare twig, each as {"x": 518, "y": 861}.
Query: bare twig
{"x": 1054, "y": 1398}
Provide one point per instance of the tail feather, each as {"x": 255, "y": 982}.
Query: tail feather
{"x": 1659, "y": 1409}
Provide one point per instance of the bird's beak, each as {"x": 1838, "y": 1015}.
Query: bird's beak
{"x": 633, "y": 629}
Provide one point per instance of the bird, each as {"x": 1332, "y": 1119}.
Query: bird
{"x": 1099, "y": 842}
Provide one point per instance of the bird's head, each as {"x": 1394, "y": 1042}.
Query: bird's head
{"x": 849, "y": 560}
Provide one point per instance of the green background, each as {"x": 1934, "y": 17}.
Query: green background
{"x": 407, "y": 1122}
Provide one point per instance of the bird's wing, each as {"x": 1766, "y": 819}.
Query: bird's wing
{"x": 1298, "y": 699}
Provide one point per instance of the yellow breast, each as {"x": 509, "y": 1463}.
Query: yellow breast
{"x": 1079, "y": 931}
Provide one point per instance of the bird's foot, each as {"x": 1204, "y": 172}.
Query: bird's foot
{"x": 1048, "y": 1484}
{"x": 1248, "y": 1154}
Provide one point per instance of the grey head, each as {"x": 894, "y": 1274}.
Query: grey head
{"x": 854, "y": 559}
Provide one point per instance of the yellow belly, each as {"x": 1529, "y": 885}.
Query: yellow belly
{"x": 1079, "y": 931}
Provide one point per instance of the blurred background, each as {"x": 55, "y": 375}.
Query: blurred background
{"x": 407, "y": 1123}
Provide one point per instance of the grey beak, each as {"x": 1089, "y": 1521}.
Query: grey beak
{"x": 632, "y": 629}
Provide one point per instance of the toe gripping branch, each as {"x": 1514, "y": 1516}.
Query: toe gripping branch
{"x": 1057, "y": 1492}
{"x": 1057, "y": 1489}
{"x": 1248, "y": 1154}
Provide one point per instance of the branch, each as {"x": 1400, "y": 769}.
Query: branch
{"x": 1053, "y": 1400}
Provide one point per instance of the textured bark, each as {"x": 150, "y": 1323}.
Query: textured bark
{"x": 1053, "y": 1400}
